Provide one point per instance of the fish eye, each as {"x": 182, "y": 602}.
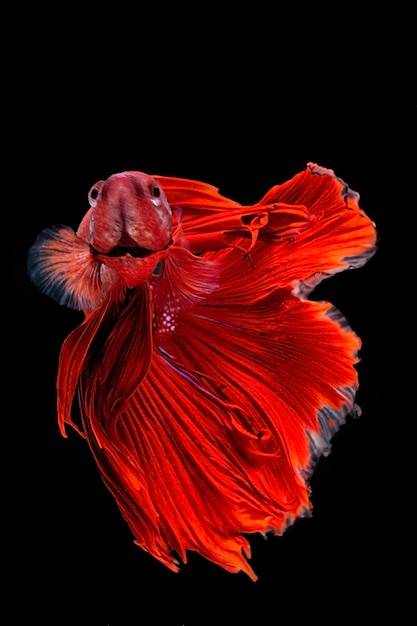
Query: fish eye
{"x": 94, "y": 193}
{"x": 156, "y": 192}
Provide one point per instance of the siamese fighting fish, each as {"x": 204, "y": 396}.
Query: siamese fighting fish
{"x": 208, "y": 383}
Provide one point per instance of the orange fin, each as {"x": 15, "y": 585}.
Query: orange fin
{"x": 62, "y": 266}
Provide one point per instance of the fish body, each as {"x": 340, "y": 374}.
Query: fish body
{"x": 208, "y": 383}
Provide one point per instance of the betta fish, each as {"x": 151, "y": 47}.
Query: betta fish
{"x": 208, "y": 383}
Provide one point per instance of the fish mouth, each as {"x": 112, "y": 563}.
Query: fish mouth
{"x": 136, "y": 252}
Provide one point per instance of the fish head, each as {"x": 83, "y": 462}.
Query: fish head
{"x": 130, "y": 215}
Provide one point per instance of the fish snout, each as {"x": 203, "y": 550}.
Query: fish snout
{"x": 131, "y": 215}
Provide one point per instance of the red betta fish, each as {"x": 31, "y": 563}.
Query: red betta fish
{"x": 208, "y": 383}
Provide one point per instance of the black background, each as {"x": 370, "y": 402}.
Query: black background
{"x": 243, "y": 106}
